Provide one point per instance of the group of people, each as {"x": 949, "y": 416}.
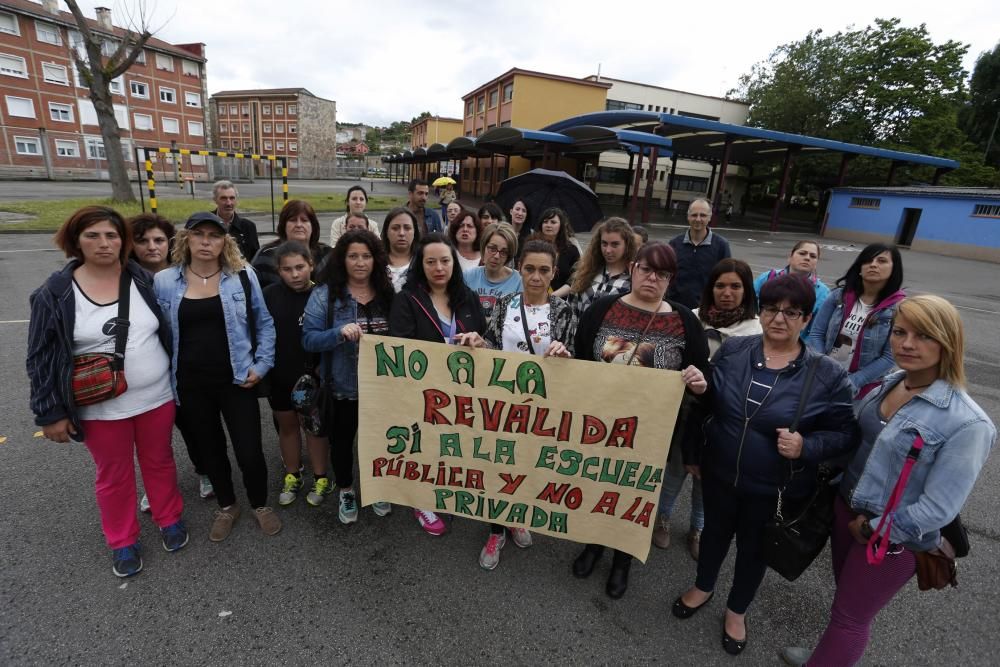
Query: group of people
{"x": 781, "y": 373}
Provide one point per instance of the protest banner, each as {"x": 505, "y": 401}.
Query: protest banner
{"x": 568, "y": 448}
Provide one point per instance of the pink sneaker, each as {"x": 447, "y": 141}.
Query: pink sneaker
{"x": 430, "y": 522}
{"x": 521, "y": 536}
{"x": 489, "y": 557}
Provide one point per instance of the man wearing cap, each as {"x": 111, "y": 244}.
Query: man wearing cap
{"x": 698, "y": 250}
{"x": 243, "y": 230}
{"x": 428, "y": 219}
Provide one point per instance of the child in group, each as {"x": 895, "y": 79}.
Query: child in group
{"x": 286, "y": 300}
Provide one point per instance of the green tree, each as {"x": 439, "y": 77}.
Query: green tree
{"x": 982, "y": 115}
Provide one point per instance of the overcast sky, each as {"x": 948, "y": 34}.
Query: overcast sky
{"x": 383, "y": 60}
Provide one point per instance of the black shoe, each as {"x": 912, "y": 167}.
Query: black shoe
{"x": 682, "y": 611}
{"x": 618, "y": 579}
{"x": 733, "y": 646}
{"x": 584, "y": 563}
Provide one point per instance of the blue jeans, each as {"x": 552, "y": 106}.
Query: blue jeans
{"x": 673, "y": 480}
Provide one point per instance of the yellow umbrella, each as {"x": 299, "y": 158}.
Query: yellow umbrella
{"x": 442, "y": 181}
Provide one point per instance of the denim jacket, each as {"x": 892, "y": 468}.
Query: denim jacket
{"x": 958, "y": 437}
{"x": 338, "y": 354}
{"x": 873, "y": 358}
{"x": 170, "y": 286}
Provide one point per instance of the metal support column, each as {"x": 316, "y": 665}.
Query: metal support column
{"x": 635, "y": 189}
{"x": 670, "y": 183}
{"x": 628, "y": 178}
{"x": 937, "y": 175}
{"x": 711, "y": 181}
{"x": 776, "y": 212}
{"x": 650, "y": 180}
{"x": 892, "y": 172}
{"x": 723, "y": 168}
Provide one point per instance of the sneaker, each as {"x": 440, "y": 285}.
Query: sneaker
{"x": 321, "y": 489}
{"x": 144, "y": 504}
{"x": 175, "y": 536}
{"x": 348, "y": 512}
{"x": 521, "y": 537}
{"x": 290, "y": 490}
{"x": 430, "y": 522}
{"x": 205, "y": 488}
{"x": 489, "y": 557}
{"x": 661, "y": 532}
{"x": 694, "y": 543}
{"x": 268, "y": 520}
{"x": 126, "y": 561}
{"x": 382, "y": 508}
{"x": 222, "y": 523}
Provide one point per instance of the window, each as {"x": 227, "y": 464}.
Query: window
{"x": 482, "y": 104}
{"x": 293, "y": 146}
{"x": 67, "y": 148}
{"x": 246, "y": 145}
{"x": 618, "y": 105}
{"x": 280, "y": 146}
{"x": 505, "y": 123}
{"x": 649, "y": 107}
{"x": 267, "y": 127}
{"x": 293, "y": 163}
{"x": 141, "y": 58}
{"x": 189, "y": 68}
{"x": 171, "y": 126}
{"x": 116, "y": 87}
{"x": 192, "y": 100}
{"x": 656, "y": 108}
{"x": 508, "y": 92}
{"x": 222, "y": 109}
{"x": 225, "y": 143}
{"x": 21, "y": 107}
{"x": 292, "y": 110}
{"x": 691, "y": 114}
{"x": 55, "y": 74}
{"x": 27, "y": 146}
{"x": 265, "y": 109}
{"x": 494, "y": 96}
{"x": 612, "y": 175}
{"x": 292, "y": 128}
{"x": 196, "y": 128}
{"x": 13, "y": 66}
{"x": 109, "y": 46}
{"x": 164, "y": 62}
{"x": 61, "y": 112}
{"x": 268, "y": 146}
{"x": 139, "y": 89}
{"x": 245, "y": 109}
{"x": 47, "y": 33}
{"x": 223, "y": 127}
{"x": 986, "y": 211}
{"x": 233, "y": 110}
{"x": 168, "y": 95}
{"x": 86, "y": 111}
{"x": 198, "y": 160}
{"x": 143, "y": 121}
{"x": 279, "y": 127}
{"x": 279, "y": 109}
{"x": 246, "y": 127}
{"x": 95, "y": 148}
{"x": 468, "y": 108}
{"x": 8, "y": 24}
{"x": 690, "y": 183}
{"x": 865, "y": 202}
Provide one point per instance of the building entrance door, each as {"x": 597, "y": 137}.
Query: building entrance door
{"x": 908, "y": 228}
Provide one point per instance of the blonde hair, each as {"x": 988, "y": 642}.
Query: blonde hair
{"x": 592, "y": 261}
{"x": 231, "y": 258}
{"x": 505, "y": 231}
{"x": 937, "y": 319}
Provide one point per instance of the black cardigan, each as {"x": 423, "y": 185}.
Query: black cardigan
{"x": 408, "y": 320}
{"x": 688, "y": 432}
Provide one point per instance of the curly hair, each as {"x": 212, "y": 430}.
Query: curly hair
{"x": 231, "y": 259}
{"x": 334, "y": 274}
{"x": 592, "y": 261}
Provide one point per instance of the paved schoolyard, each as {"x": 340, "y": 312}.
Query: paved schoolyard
{"x": 382, "y": 592}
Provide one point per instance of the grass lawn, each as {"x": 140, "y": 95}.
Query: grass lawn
{"x": 50, "y": 214}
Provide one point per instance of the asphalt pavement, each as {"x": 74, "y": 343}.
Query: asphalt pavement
{"x": 382, "y": 592}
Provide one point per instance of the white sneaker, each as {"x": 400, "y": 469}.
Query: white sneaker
{"x": 489, "y": 557}
{"x": 144, "y": 504}
{"x": 382, "y": 508}
{"x": 521, "y": 537}
{"x": 205, "y": 489}
{"x": 348, "y": 511}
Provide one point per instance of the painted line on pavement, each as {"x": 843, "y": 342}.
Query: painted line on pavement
{"x": 14, "y": 321}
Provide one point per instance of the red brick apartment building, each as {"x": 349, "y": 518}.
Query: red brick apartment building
{"x": 48, "y": 126}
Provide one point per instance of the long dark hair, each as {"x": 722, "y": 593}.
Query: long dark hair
{"x": 293, "y": 208}
{"x": 334, "y": 274}
{"x": 399, "y": 210}
{"x": 740, "y": 268}
{"x": 417, "y": 279}
{"x": 562, "y": 236}
{"x": 851, "y": 281}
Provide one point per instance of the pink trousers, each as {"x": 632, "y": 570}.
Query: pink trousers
{"x": 114, "y": 446}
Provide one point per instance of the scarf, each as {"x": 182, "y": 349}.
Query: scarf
{"x": 720, "y": 319}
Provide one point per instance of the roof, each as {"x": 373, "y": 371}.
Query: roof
{"x": 539, "y": 75}
{"x": 66, "y": 19}
{"x": 261, "y": 92}
{"x": 440, "y": 119}
{"x": 596, "y": 77}
{"x": 704, "y": 140}
{"x": 943, "y": 192}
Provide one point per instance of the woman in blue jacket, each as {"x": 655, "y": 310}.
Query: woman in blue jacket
{"x": 852, "y": 325}
{"x": 750, "y": 453}
{"x": 925, "y": 400}
{"x": 210, "y": 297}
{"x": 356, "y": 285}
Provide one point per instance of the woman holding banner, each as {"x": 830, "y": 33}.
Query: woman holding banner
{"x": 640, "y": 328}
{"x": 528, "y": 321}
{"x": 436, "y": 306}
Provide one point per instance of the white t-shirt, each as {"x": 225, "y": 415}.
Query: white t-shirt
{"x": 843, "y": 347}
{"x": 147, "y": 366}
{"x": 538, "y": 327}
{"x": 397, "y": 275}
{"x": 467, "y": 264}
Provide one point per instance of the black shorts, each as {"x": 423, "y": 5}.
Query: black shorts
{"x": 280, "y": 396}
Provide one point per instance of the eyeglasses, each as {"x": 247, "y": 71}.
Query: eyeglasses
{"x": 772, "y": 311}
{"x": 494, "y": 250}
{"x": 645, "y": 271}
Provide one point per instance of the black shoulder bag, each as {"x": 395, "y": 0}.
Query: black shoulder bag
{"x": 263, "y": 388}
{"x": 793, "y": 540}
{"x": 312, "y": 397}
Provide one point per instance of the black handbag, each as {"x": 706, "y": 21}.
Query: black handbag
{"x": 793, "y": 539}
{"x": 312, "y": 398}
{"x": 263, "y": 388}
{"x": 957, "y": 536}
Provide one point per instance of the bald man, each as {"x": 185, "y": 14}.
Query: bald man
{"x": 698, "y": 250}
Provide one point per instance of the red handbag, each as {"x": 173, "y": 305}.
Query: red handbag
{"x": 98, "y": 377}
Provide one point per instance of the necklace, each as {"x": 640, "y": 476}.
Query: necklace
{"x": 779, "y": 356}
{"x": 910, "y": 387}
{"x": 204, "y": 279}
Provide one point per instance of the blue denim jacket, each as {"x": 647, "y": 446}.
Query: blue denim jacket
{"x": 170, "y": 286}
{"x": 331, "y": 342}
{"x": 876, "y": 354}
{"x": 958, "y": 437}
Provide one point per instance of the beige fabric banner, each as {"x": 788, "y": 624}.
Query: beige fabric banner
{"x": 568, "y": 448}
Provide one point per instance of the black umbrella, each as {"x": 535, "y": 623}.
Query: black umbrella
{"x": 540, "y": 189}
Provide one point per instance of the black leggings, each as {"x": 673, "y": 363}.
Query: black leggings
{"x": 201, "y": 406}
{"x": 729, "y": 513}
{"x": 343, "y": 429}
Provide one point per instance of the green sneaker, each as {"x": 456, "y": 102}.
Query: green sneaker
{"x": 290, "y": 489}
{"x": 321, "y": 489}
